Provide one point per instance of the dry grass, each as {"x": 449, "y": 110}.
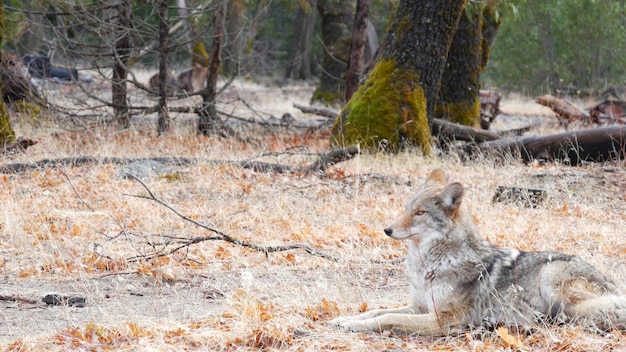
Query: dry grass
{"x": 60, "y": 232}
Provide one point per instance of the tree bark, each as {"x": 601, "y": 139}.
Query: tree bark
{"x": 596, "y": 145}
{"x": 121, "y": 53}
{"x": 459, "y": 99}
{"x": 163, "y": 120}
{"x": 337, "y": 23}
{"x": 7, "y": 135}
{"x": 235, "y": 38}
{"x": 357, "y": 50}
{"x": 299, "y": 61}
{"x": 208, "y": 114}
{"x": 396, "y": 105}
{"x": 491, "y": 25}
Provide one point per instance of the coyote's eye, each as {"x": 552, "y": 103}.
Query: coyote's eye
{"x": 420, "y": 212}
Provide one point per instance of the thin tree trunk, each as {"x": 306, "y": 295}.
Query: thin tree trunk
{"x": 197, "y": 51}
{"x": 121, "y": 53}
{"x": 7, "y": 135}
{"x": 355, "y": 66}
{"x": 235, "y": 37}
{"x": 208, "y": 113}
{"x": 337, "y": 23}
{"x": 299, "y": 61}
{"x": 164, "y": 120}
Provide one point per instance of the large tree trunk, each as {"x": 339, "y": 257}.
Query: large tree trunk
{"x": 460, "y": 84}
{"x": 7, "y": 135}
{"x": 337, "y": 23}
{"x": 299, "y": 62}
{"x": 121, "y": 53}
{"x": 357, "y": 50}
{"x": 395, "y": 106}
{"x": 208, "y": 114}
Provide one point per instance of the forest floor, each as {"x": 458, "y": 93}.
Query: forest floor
{"x": 85, "y": 231}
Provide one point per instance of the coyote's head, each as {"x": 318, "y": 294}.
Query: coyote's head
{"x": 432, "y": 213}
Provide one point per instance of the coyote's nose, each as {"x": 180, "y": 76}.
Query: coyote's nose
{"x": 388, "y": 231}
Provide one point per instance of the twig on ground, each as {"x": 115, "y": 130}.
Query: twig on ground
{"x": 13, "y": 298}
{"x": 186, "y": 242}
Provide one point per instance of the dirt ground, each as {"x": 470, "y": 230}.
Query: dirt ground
{"x": 78, "y": 230}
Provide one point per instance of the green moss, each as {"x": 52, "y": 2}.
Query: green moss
{"x": 465, "y": 112}
{"x": 200, "y": 55}
{"x": 388, "y": 112}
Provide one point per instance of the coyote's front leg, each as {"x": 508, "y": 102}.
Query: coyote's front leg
{"x": 341, "y": 321}
{"x": 408, "y": 320}
{"x": 423, "y": 324}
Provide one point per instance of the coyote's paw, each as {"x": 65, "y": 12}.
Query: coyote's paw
{"x": 350, "y": 324}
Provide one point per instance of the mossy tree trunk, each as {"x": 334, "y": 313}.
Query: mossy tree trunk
{"x": 459, "y": 99}
{"x": 395, "y": 106}
{"x": 490, "y": 27}
{"x": 7, "y": 135}
{"x": 337, "y": 22}
{"x": 357, "y": 49}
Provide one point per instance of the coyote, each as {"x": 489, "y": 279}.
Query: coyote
{"x": 458, "y": 280}
{"x": 191, "y": 80}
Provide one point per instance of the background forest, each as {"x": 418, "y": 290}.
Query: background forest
{"x": 574, "y": 46}
{"x": 164, "y": 234}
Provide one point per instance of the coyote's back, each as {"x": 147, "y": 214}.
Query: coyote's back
{"x": 458, "y": 279}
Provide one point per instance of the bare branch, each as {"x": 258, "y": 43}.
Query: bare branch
{"x": 221, "y": 235}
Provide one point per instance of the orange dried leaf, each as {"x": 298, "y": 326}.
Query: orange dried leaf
{"x": 291, "y": 258}
{"x": 510, "y": 340}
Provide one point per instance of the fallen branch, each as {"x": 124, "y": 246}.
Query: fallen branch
{"x": 316, "y": 110}
{"x": 449, "y": 131}
{"x": 13, "y": 298}
{"x": 186, "y": 242}
{"x": 566, "y": 110}
{"x": 441, "y": 128}
{"x": 320, "y": 165}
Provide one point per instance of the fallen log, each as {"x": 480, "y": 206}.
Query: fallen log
{"x": 19, "y": 145}
{"x": 594, "y": 145}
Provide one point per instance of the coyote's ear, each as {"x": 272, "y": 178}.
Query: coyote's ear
{"x": 451, "y": 197}
{"x": 437, "y": 176}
